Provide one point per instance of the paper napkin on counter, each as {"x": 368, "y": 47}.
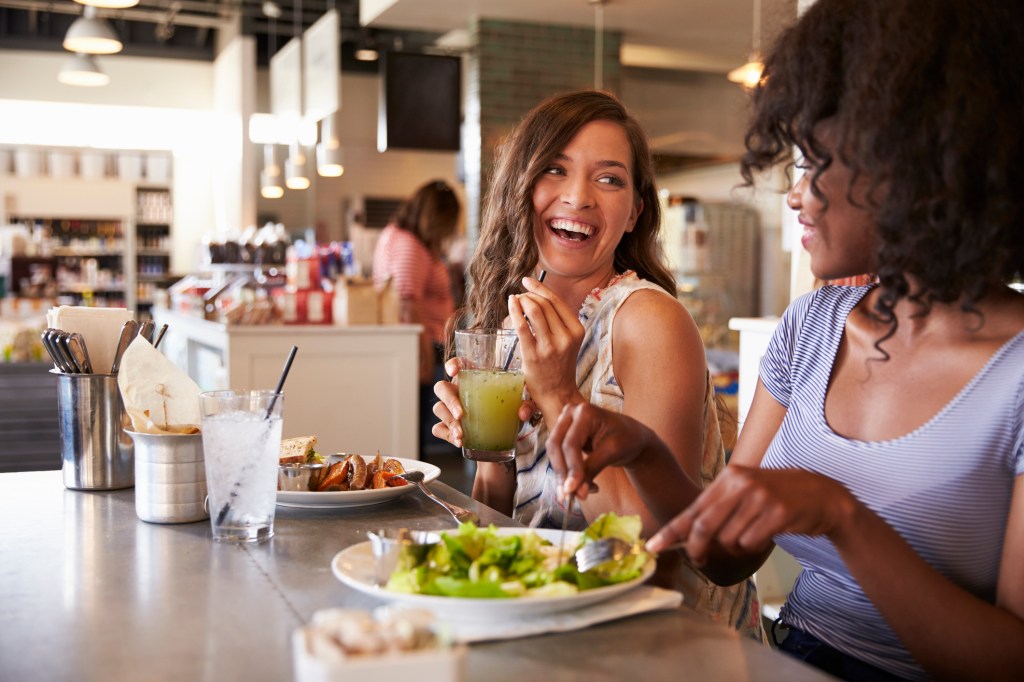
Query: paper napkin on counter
{"x": 640, "y": 600}
{"x": 100, "y": 327}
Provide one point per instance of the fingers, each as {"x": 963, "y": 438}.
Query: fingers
{"x": 449, "y": 411}
{"x": 566, "y": 314}
{"x": 528, "y": 411}
{"x": 569, "y": 445}
{"x": 737, "y": 512}
{"x": 556, "y": 456}
{"x": 451, "y": 367}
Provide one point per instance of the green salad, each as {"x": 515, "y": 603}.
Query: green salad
{"x": 479, "y": 563}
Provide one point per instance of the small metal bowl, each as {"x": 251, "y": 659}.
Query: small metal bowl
{"x": 299, "y": 477}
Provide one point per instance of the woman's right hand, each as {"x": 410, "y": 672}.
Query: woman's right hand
{"x": 448, "y": 409}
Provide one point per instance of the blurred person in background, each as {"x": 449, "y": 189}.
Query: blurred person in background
{"x": 409, "y": 253}
{"x": 884, "y": 448}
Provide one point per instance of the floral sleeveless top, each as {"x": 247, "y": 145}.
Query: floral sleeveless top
{"x": 536, "y": 501}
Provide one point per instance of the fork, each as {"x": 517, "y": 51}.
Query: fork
{"x": 565, "y": 524}
{"x": 597, "y": 552}
{"x": 458, "y": 513}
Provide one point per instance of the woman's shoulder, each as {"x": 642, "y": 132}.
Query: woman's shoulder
{"x": 652, "y": 319}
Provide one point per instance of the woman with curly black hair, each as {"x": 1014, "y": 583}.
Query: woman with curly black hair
{"x": 885, "y": 444}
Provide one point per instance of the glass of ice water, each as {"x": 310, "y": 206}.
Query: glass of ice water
{"x": 241, "y": 445}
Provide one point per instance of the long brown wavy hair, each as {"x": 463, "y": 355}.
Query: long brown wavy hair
{"x": 506, "y": 251}
{"x": 927, "y": 101}
{"x": 431, "y": 213}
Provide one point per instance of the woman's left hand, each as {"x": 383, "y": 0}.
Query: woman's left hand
{"x": 744, "y": 507}
{"x": 550, "y": 335}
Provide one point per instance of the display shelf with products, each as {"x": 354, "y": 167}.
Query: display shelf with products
{"x": 154, "y": 215}
{"x": 87, "y": 257}
{"x": 109, "y": 219}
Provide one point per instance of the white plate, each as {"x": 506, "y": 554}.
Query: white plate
{"x": 357, "y": 498}
{"x": 354, "y": 566}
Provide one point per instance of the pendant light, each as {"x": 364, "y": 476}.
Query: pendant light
{"x": 92, "y": 35}
{"x": 270, "y": 176}
{"x": 82, "y": 69}
{"x": 598, "y": 43}
{"x": 749, "y": 75}
{"x": 295, "y": 174}
{"x": 329, "y": 159}
{"x": 109, "y": 4}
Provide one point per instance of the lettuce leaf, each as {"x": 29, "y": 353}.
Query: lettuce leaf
{"x": 478, "y": 563}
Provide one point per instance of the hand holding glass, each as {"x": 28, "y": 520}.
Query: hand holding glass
{"x": 491, "y": 391}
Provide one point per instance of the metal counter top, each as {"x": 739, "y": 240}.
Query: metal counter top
{"x": 90, "y": 592}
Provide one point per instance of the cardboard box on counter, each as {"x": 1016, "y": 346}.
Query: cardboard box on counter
{"x": 358, "y": 301}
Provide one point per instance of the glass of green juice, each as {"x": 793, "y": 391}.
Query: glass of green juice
{"x": 491, "y": 390}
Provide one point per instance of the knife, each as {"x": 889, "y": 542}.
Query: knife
{"x": 146, "y": 330}
{"x": 160, "y": 336}
{"x": 128, "y": 332}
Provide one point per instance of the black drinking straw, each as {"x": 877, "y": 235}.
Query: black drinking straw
{"x": 515, "y": 341}
{"x": 270, "y": 409}
{"x": 280, "y": 382}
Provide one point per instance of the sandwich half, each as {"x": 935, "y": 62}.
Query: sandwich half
{"x": 301, "y": 450}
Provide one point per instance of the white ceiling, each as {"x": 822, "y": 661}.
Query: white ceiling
{"x": 700, "y": 35}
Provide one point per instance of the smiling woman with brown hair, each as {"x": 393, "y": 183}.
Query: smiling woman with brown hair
{"x": 573, "y": 195}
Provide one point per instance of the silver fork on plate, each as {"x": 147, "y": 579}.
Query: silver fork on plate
{"x": 608, "y": 549}
{"x": 565, "y": 524}
{"x": 458, "y": 513}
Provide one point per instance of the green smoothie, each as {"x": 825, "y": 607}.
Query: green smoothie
{"x": 491, "y": 400}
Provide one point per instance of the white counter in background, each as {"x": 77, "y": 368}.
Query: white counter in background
{"x": 354, "y": 387}
{"x": 755, "y": 333}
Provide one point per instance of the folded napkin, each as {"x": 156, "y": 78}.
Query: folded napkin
{"x": 640, "y": 600}
{"x": 159, "y": 397}
{"x": 100, "y": 327}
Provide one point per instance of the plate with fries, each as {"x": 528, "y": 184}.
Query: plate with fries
{"x": 357, "y": 498}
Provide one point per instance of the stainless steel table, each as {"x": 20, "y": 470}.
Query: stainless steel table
{"x": 90, "y": 592}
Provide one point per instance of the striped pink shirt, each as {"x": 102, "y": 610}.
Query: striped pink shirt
{"x": 418, "y": 276}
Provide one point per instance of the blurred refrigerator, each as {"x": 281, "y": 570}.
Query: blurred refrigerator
{"x": 714, "y": 251}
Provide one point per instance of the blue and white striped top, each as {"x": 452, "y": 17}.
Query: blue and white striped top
{"x": 944, "y": 487}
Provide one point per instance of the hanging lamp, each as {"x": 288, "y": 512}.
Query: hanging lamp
{"x": 82, "y": 69}
{"x": 749, "y": 75}
{"x": 329, "y": 159}
{"x": 296, "y": 176}
{"x": 109, "y": 4}
{"x": 270, "y": 176}
{"x": 92, "y": 35}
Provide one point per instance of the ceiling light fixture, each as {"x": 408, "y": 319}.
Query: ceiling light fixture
{"x": 749, "y": 75}
{"x": 295, "y": 174}
{"x": 366, "y": 48}
{"x": 270, "y": 176}
{"x": 367, "y": 54}
{"x": 329, "y": 159}
{"x": 109, "y": 4}
{"x": 92, "y": 35}
{"x": 82, "y": 69}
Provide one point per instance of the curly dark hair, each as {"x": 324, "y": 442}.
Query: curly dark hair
{"x": 506, "y": 251}
{"x": 926, "y": 98}
{"x": 431, "y": 213}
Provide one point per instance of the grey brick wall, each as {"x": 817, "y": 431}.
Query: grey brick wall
{"x": 512, "y": 67}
